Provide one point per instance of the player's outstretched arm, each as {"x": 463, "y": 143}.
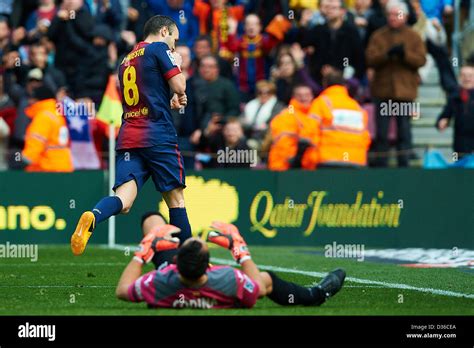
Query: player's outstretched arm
{"x": 131, "y": 273}
{"x": 228, "y": 236}
{"x": 160, "y": 238}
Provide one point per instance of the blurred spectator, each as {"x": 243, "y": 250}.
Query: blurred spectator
{"x": 266, "y": 10}
{"x": 259, "y": 112}
{"x": 436, "y": 39}
{"x": 230, "y": 136}
{"x": 252, "y": 50}
{"x": 138, "y": 14}
{"x": 39, "y": 21}
{"x": 460, "y": 107}
{"x": 4, "y": 134}
{"x": 108, "y": 12}
{"x": 47, "y": 137}
{"x": 214, "y": 94}
{"x": 395, "y": 52}
{"x": 38, "y": 59}
{"x": 21, "y": 97}
{"x": 335, "y": 43}
{"x": 203, "y": 48}
{"x": 213, "y": 20}
{"x": 72, "y": 19}
{"x": 4, "y": 36}
{"x": 185, "y": 53}
{"x": 362, "y": 12}
{"x": 294, "y": 134}
{"x": 344, "y": 136}
{"x": 185, "y": 120}
{"x": 95, "y": 67}
{"x": 6, "y": 8}
{"x": 21, "y": 10}
{"x": 378, "y": 18}
{"x": 181, "y": 11}
{"x": 291, "y": 71}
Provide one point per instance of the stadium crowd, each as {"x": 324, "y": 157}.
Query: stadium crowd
{"x": 303, "y": 82}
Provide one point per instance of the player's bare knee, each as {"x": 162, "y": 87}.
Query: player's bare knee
{"x": 174, "y": 198}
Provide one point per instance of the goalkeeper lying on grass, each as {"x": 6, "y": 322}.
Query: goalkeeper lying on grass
{"x": 188, "y": 281}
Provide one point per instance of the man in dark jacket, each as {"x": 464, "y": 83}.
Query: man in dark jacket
{"x": 460, "y": 107}
{"x": 95, "y": 68}
{"x": 395, "y": 52}
{"x": 336, "y": 43}
{"x": 214, "y": 94}
{"x": 75, "y": 16}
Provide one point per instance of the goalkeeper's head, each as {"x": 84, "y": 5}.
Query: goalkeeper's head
{"x": 193, "y": 259}
{"x": 151, "y": 220}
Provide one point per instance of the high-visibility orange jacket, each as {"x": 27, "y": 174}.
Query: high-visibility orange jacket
{"x": 47, "y": 139}
{"x": 287, "y": 128}
{"x": 344, "y": 136}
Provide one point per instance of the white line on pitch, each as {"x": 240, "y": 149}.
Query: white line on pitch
{"x": 356, "y": 280}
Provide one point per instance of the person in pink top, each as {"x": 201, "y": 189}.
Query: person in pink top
{"x": 187, "y": 280}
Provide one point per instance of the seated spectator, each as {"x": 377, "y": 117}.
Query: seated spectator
{"x": 291, "y": 71}
{"x": 252, "y": 51}
{"x": 259, "y": 112}
{"x": 217, "y": 138}
{"x": 181, "y": 11}
{"x": 214, "y": 94}
{"x": 39, "y": 21}
{"x": 295, "y": 134}
{"x": 203, "y": 48}
{"x": 344, "y": 136}
{"x": 47, "y": 137}
{"x": 460, "y": 108}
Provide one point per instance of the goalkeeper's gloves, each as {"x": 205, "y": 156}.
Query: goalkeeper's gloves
{"x": 228, "y": 236}
{"x": 158, "y": 239}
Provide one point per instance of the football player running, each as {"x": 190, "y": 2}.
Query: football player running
{"x": 147, "y": 144}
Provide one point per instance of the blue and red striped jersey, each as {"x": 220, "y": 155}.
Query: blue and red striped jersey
{"x": 144, "y": 75}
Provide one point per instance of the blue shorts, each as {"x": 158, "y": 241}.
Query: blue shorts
{"x": 162, "y": 162}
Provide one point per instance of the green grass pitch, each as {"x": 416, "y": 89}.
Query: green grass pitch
{"x": 61, "y": 284}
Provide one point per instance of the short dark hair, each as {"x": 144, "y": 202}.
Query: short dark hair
{"x": 151, "y": 213}
{"x": 155, "y": 23}
{"x": 206, "y": 38}
{"x": 334, "y": 78}
{"x": 192, "y": 260}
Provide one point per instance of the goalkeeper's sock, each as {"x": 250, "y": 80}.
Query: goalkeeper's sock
{"x": 179, "y": 218}
{"x": 107, "y": 207}
{"x": 290, "y": 294}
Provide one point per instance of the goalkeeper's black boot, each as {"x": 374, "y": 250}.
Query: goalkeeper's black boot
{"x": 329, "y": 286}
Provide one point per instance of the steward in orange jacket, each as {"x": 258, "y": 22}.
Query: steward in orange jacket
{"x": 295, "y": 134}
{"x": 344, "y": 136}
{"x": 47, "y": 137}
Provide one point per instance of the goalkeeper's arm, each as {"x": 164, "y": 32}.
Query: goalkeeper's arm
{"x": 131, "y": 273}
{"x": 261, "y": 278}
